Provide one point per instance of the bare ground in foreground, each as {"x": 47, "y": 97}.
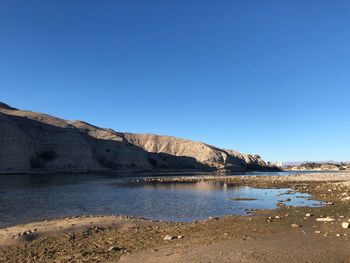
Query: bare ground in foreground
{"x": 285, "y": 234}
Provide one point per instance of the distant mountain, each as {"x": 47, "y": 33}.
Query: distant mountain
{"x": 31, "y": 141}
{"x": 317, "y": 166}
{"x": 284, "y": 164}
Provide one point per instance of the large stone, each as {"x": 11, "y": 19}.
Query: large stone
{"x": 325, "y": 219}
{"x": 345, "y": 225}
{"x": 114, "y": 248}
{"x": 168, "y": 238}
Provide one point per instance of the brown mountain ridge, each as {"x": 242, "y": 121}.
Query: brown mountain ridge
{"x": 31, "y": 141}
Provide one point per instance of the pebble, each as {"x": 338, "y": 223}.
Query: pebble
{"x": 179, "y": 237}
{"x": 295, "y": 225}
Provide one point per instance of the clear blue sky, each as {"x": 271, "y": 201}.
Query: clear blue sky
{"x": 266, "y": 77}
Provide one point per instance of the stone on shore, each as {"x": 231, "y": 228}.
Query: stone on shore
{"x": 325, "y": 219}
{"x": 168, "y": 238}
{"x": 113, "y": 249}
{"x": 308, "y": 215}
{"x": 345, "y": 225}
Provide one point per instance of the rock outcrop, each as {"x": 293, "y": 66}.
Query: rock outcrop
{"x": 31, "y": 141}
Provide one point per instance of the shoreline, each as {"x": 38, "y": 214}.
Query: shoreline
{"x": 128, "y": 239}
{"x": 130, "y": 173}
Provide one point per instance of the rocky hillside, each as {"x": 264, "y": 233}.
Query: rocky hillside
{"x": 31, "y": 141}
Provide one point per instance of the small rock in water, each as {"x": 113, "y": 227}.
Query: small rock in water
{"x": 287, "y": 200}
{"x": 345, "y": 225}
{"x": 295, "y": 225}
{"x": 168, "y": 238}
{"x": 330, "y": 203}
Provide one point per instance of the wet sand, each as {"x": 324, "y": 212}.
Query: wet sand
{"x": 285, "y": 234}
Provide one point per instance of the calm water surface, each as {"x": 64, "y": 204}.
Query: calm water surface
{"x": 27, "y": 198}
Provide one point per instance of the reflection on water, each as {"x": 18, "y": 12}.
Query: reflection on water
{"x": 26, "y": 198}
{"x": 197, "y": 186}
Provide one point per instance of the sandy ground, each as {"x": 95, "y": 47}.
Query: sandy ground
{"x": 285, "y": 234}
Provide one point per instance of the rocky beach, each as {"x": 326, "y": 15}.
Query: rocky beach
{"x": 284, "y": 234}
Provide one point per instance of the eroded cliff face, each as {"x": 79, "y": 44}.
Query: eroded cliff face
{"x": 36, "y": 141}
{"x": 203, "y": 153}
